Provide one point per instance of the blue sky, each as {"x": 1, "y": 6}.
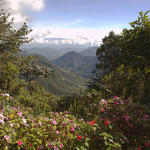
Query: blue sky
{"x": 90, "y": 13}
{"x": 83, "y": 22}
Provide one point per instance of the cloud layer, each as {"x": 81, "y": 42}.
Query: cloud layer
{"x": 60, "y": 36}
{"x": 23, "y": 9}
{"x": 47, "y": 36}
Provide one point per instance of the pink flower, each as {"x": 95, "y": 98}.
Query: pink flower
{"x": 2, "y": 110}
{"x": 46, "y": 119}
{"x": 72, "y": 129}
{"x": 116, "y": 103}
{"x": 127, "y": 117}
{"x": 100, "y": 118}
{"x": 130, "y": 125}
{"x": 57, "y": 132}
{"x": 55, "y": 148}
{"x": 146, "y": 144}
{"x": 54, "y": 122}
{"x": 146, "y": 117}
{"x": 19, "y": 142}
{"x": 70, "y": 121}
{"x": 102, "y": 109}
{"x": 49, "y": 145}
{"x": 138, "y": 148}
{"x": 64, "y": 134}
{"x": 115, "y": 97}
{"x": 6, "y": 137}
{"x": 64, "y": 124}
{"x": 61, "y": 145}
{"x": 20, "y": 114}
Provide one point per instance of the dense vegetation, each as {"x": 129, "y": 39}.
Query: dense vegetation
{"x": 32, "y": 118}
{"x": 125, "y": 62}
{"x": 62, "y": 79}
{"x": 76, "y": 63}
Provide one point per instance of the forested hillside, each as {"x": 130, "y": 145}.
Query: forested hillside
{"x": 91, "y": 51}
{"x": 50, "y": 53}
{"x": 75, "y": 62}
{"x": 62, "y": 80}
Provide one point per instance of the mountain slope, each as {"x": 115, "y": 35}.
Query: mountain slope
{"x": 49, "y": 52}
{"x": 75, "y": 62}
{"x": 91, "y": 51}
{"x": 64, "y": 82}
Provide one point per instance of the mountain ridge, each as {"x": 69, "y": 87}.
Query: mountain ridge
{"x": 77, "y": 63}
{"x": 62, "y": 80}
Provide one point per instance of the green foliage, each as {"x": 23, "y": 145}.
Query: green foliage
{"x": 77, "y": 63}
{"x": 119, "y": 124}
{"x": 17, "y": 70}
{"x": 10, "y": 41}
{"x": 125, "y": 62}
{"x": 83, "y": 106}
{"x": 63, "y": 81}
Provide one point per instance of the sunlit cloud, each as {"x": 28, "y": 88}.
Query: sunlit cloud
{"x": 59, "y": 36}
{"x": 22, "y": 9}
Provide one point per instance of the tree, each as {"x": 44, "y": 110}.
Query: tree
{"x": 108, "y": 54}
{"x": 14, "y": 64}
{"x": 18, "y": 70}
{"x": 135, "y": 47}
{"x": 125, "y": 62}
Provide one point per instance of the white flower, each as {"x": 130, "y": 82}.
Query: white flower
{"x": 56, "y": 148}
{"x": 2, "y": 118}
{"x": 24, "y": 120}
{"x": 20, "y": 114}
{"x": 11, "y": 124}
{"x": 7, "y": 94}
{"x": 6, "y": 137}
{"x": 2, "y": 121}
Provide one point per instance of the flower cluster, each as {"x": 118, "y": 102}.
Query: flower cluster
{"x": 118, "y": 123}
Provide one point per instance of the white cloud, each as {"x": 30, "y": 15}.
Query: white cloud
{"x": 19, "y": 18}
{"x": 23, "y": 9}
{"x": 60, "y": 36}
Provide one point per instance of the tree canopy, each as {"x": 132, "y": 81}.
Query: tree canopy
{"x": 125, "y": 61}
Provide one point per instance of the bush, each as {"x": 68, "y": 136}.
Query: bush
{"x": 119, "y": 124}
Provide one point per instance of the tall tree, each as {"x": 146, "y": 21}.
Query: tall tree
{"x": 125, "y": 61}
{"x": 13, "y": 64}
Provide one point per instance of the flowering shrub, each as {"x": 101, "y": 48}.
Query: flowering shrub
{"x": 21, "y": 130}
{"x": 119, "y": 124}
{"x": 126, "y": 121}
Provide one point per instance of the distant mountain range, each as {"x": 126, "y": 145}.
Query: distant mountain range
{"x": 72, "y": 69}
{"x": 52, "y": 53}
{"x": 91, "y": 51}
{"x": 77, "y": 63}
{"x": 64, "y": 82}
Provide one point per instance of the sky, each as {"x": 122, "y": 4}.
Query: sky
{"x": 74, "y": 22}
